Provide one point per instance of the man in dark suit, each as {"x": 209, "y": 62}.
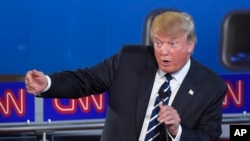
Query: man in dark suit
{"x": 132, "y": 78}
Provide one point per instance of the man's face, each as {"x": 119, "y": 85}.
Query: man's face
{"x": 172, "y": 52}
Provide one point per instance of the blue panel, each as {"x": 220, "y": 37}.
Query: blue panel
{"x": 14, "y": 37}
{"x": 238, "y": 97}
{"x": 53, "y": 35}
{"x": 15, "y": 104}
{"x": 86, "y": 38}
{"x": 92, "y": 107}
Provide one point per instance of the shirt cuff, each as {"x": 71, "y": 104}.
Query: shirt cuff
{"x": 178, "y": 136}
{"x": 48, "y": 85}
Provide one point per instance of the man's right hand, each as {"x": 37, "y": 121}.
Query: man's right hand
{"x": 35, "y": 81}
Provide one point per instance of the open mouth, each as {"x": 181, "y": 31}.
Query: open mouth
{"x": 165, "y": 62}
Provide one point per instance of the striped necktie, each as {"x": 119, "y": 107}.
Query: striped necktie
{"x": 154, "y": 126}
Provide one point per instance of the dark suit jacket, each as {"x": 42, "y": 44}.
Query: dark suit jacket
{"x": 128, "y": 77}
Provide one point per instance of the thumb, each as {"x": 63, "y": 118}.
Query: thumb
{"x": 37, "y": 74}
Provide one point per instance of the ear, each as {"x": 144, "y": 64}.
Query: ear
{"x": 190, "y": 45}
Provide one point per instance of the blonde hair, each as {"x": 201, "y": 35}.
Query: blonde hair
{"x": 172, "y": 24}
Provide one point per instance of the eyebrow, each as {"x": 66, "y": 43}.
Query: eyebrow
{"x": 155, "y": 38}
{"x": 171, "y": 38}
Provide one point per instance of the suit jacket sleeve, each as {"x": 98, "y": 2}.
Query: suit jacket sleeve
{"x": 83, "y": 82}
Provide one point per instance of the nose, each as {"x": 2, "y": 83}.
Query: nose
{"x": 164, "y": 50}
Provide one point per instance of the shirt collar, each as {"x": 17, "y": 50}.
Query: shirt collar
{"x": 179, "y": 75}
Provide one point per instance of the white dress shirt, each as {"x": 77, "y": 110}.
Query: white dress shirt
{"x": 175, "y": 83}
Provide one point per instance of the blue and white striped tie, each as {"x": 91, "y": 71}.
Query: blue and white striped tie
{"x": 154, "y": 126}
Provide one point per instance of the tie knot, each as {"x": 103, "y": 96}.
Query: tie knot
{"x": 168, "y": 76}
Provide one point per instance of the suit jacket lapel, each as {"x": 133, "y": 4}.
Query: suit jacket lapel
{"x": 188, "y": 89}
{"x": 144, "y": 90}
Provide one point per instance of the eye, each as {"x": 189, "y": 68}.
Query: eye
{"x": 172, "y": 43}
{"x": 158, "y": 43}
